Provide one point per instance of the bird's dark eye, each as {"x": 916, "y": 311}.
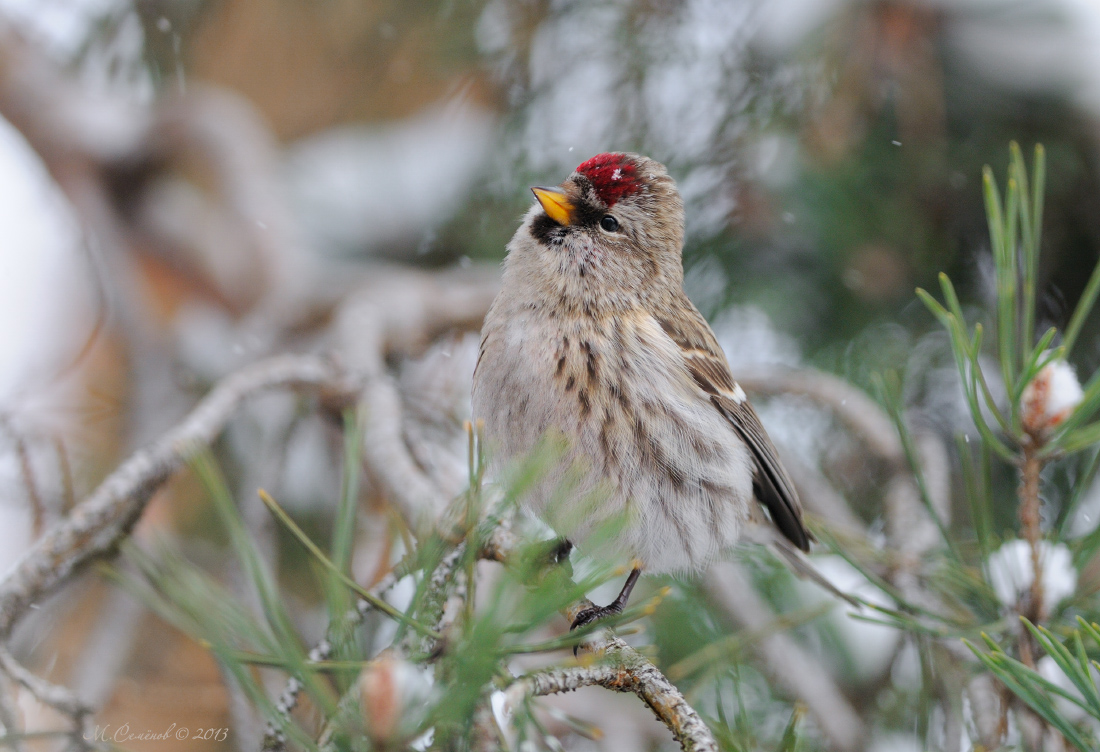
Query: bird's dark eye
{"x": 609, "y": 223}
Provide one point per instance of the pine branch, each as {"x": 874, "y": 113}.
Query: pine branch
{"x": 621, "y": 668}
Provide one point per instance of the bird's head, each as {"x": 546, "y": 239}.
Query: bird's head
{"x": 610, "y": 234}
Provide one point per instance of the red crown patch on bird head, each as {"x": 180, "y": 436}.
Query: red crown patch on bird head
{"x": 612, "y": 176}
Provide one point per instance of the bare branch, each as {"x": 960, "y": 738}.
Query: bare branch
{"x": 96, "y": 525}
{"x": 624, "y": 669}
{"x": 30, "y": 481}
{"x": 68, "y": 495}
{"x": 57, "y": 697}
{"x": 859, "y": 413}
{"x": 274, "y": 738}
{"x": 8, "y": 719}
{"x": 1030, "y": 505}
{"x": 387, "y": 457}
{"x": 62, "y": 122}
{"x": 400, "y": 313}
{"x": 227, "y": 134}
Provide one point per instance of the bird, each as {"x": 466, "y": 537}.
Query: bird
{"x": 592, "y": 338}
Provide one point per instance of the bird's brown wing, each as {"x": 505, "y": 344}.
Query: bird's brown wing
{"x": 708, "y": 367}
{"x": 773, "y": 486}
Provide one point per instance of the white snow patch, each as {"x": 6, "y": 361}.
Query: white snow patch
{"x": 749, "y": 338}
{"x": 896, "y": 742}
{"x": 1050, "y": 671}
{"x": 39, "y": 267}
{"x": 1011, "y": 573}
{"x": 1050, "y": 397}
{"x": 365, "y": 188}
{"x": 869, "y": 646}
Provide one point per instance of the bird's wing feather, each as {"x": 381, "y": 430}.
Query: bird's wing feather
{"x": 704, "y": 360}
{"x": 773, "y": 486}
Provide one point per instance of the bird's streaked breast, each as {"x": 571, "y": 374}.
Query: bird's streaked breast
{"x": 618, "y": 386}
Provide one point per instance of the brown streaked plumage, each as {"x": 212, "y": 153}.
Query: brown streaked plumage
{"x": 593, "y": 333}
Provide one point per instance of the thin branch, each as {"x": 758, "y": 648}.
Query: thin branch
{"x": 388, "y": 459}
{"x": 274, "y": 739}
{"x": 623, "y": 669}
{"x": 68, "y": 494}
{"x": 399, "y": 314}
{"x": 1030, "y": 525}
{"x": 446, "y": 584}
{"x": 30, "y": 481}
{"x": 61, "y": 699}
{"x": 8, "y": 718}
{"x": 227, "y": 134}
{"x": 103, "y": 519}
{"x": 858, "y": 412}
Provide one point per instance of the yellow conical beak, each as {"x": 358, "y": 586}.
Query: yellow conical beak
{"x": 555, "y": 203}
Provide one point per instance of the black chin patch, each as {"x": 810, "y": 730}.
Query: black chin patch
{"x": 547, "y": 231}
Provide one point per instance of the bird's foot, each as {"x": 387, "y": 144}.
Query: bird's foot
{"x": 589, "y": 615}
{"x": 595, "y": 613}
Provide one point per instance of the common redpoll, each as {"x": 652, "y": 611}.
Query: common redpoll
{"x": 593, "y": 338}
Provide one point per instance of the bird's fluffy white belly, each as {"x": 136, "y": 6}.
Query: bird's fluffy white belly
{"x": 648, "y": 450}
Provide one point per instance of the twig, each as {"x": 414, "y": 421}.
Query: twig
{"x": 858, "y": 412}
{"x": 30, "y": 483}
{"x": 274, "y": 738}
{"x": 62, "y": 122}
{"x": 57, "y": 697}
{"x": 440, "y": 588}
{"x": 624, "y": 669}
{"x": 1031, "y": 725}
{"x": 387, "y": 457}
{"x": 68, "y": 494}
{"x": 1029, "y": 523}
{"x": 96, "y": 525}
{"x": 8, "y": 718}
{"x": 228, "y": 135}
{"x": 400, "y": 313}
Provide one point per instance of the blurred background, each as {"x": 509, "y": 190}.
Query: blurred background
{"x": 188, "y": 185}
